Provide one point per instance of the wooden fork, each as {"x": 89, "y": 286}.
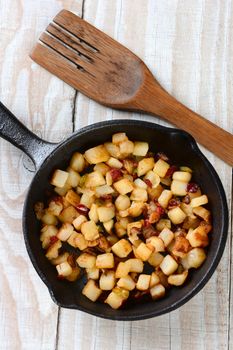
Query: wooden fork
{"x": 106, "y": 71}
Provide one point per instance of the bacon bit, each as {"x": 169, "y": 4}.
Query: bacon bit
{"x": 148, "y": 182}
{"x": 154, "y": 217}
{"x": 171, "y": 171}
{"x": 161, "y": 155}
{"x": 115, "y": 174}
{"x": 106, "y": 197}
{"x": 82, "y": 209}
{"x": 186, "y": 199}
{"x": 192, "y": 187}
{"x": 159, "y": 209}
{"x": 60, "y": 277}
{"x": 173, "y": 203}
{"x": 53, "y": 239}
{"x": 149, "y": 231}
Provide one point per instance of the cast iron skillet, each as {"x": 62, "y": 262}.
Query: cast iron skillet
{"x": 177, "y": 144}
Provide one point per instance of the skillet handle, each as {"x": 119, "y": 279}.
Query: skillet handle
{"x": 12, "y": 130}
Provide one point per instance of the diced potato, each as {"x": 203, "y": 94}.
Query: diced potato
{"x": 122, "y": 248}
{"x": 52, "y": 252}
{"x": 140, "y": 148}
{"x": 103, "y": 190}
{"x": 107, "y": 280}
{"x": 155, "y": 244}
{"x": 91, "y": 291}
{"x": 126, "y": 282}
{"x": 195, "y": 194}
{"x": 168, "y": 265}
{"x": 176, "y": 215}
{"x": 183, "y": 176}
{"x": 119, "y": 137}
{"x": 164, "y": 198}
{"x": 163, "y": 223}
{"x": 94, "y": 179}
{"x": 55, "y": 207}
{"x": 123, "y": 186}
{"x": 49, "y": 219}
{"x": 73, "y": 198}
{"x": 75, "y": 274}
{"x": 154, "y": 279}
{"x": 126, "y": 148}
{"x": 102, "y": 168}
{"x": 86, "y": 260}
{"x": 139, "y": 194}
{"x": 202, "y": 212}
{"x": 198, "y": 201}
{"x": 178, "y": 279}
{"x": 68, "y": 215}
{"x": 79, "y": 221}
{"x": 145, "y": 165}
{"x": 77, "y": 162}
{"x": 62, "y": 190}
{"x": 154, "y": 192}
{"x": 187, "y": 209}
{"x": 114, "y": 163}
{"x": 139, "y": 183}
{"x": 105, "y": 214}
{"x": 191, "y": 221}
{"x": 47, "y": 232}
{"x": 105, "y": 261}
{"x": 136, "y": 208}
{"x": 194, "y": 258}
{"x": 93, "y": 214}
{"x": 186, "y": 168}
{"x": 134, "y": 265}
{"x": 80, "y": 242}
{"x": 161, "y": 167}
{"x": 65, "y": 232}
{"x": 97, "y": 154}
{"x": 129, "y": 165}
{"x": 179, "y": 188}
{"x": 122, "y": 202}
{"x": 59, "y": 178}
{"x": 122, "y": 270}
{"x": 108, "y": 225}
{"x": 93, "y": 273}
{"x": 114, "y": 300}
{"x": 73, "y": 178}
{"x": 153, "y": 177}
{"x": 64, "y": 269}
{"x": 157, "y": 292}
{"x": 143, "y": 252}
{"x": 113, "y": 150}
{"x": 155, "y": 259}
{"x": 87, "y": 198}
{"x": 90, "y": 230}
{"x": 119, "y": 229}
{"x": 143, "y": 282}
{"x": 181, "y": 246}
{"x": 39, "y": 210}
{"x": 136, "y": 224}
{"x": 167, "y": 236}
{"x": 60, "y": 259}
{"x": 166, "y": 181}
{"x": 198, "y": 237}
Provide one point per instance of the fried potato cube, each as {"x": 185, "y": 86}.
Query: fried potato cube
{"x": 122, "y": 248}
{"x": 77, "y": 223}
{"x": 178, "y": 279}
{"x": 197, "y": 237}
{"x": 122, "y": 270}
{"x": 139, "y": 183}
{"x": 139, "y": 194}
{"x": 155, "y": 244}
{"x": 68, "y": 215}
{"x": 114, "y": 300}
{"x": 62, "y": 190}
{"x": 93, "y": 273}
{"x": 157, "y": 292}
{"x": 55, "y": 207}
{"x": 91, "y": 291}
{"x": 97, "y": 154}
{"x": 155, "y": 259}
{"x": 105, "y": 261}
{"x": 143, "y": 282}
{"x": 59, "y": 178}
{"x": 94, "y": 179}
{"x": 145, "y": 165}
{"x": 123, "y": 186}
{"x": 122, "y": 202}
{"x": 163, "y": 223}
{"x": 168, "y": 265}
{"x": 136, "y": 209}
{"x": 77, "y": 162}
{"x": 103, "y": 190}
{"x": 164, "y": 198}
{"x": 119, "y": 137}
{"x": 108, "y": 225}
{"x": 102, "y": 168}
{"x": 161, "y": 167}
{"x": 176, "y": 215}
{"x": 90, "y": 230}
{"x": 49, "y": 219}
{"x": 87, "y": 198}
{"x": 74, "y": 274}
{"x": 167, "y": 236}
{"x": 202, "y": 213}
{"x": 153, "y": 177}
{"x": 107, "y": 280}
{"x": 65, "y": 232}
{"x": 179, "y": 188}
{"x": 119, "y": 229}
{"x": 154, "y": 192}
{"x": 86, "y": 260}
{"x": 183, "y": 176}
{"x": 93, "y": 214}
{"x": 113, "y": 150}
{"x": 140, "y": 148}
{"x": 126, "y": 282}
{"x": 134, "y": 265}
{"x": 143, "y": 252}
{"x": 154, "y": 279}
{"x": 73, "y": 178}
{"x": 47, "y": 232}
{"x": 73, "y": 198}
{"x": 181, "y": 246}
{"x": 60, "y": 259}
{"x": 198, "y": 201}
{"x": 126, "y": 148}
{"x": 80, "y": 242}
{"x": 186, "y": 168}
{"x": 105, "y": 214}
{"x": 64, "y": 269}
{"x": 114, "y": 163}
{"x": 194, "y": 258}
{"x": 52, "y": 252}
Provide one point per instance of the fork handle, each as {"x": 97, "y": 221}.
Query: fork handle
{"x": 155, "y": 100}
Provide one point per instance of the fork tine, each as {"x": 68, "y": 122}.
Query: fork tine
{"x": 69, "y": 40}
{"x": 64, "y": 51}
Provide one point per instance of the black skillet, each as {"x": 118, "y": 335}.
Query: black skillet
{"x": 177, "y": 144}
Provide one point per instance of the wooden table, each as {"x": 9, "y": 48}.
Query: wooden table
{"x": 188, "y": 44}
